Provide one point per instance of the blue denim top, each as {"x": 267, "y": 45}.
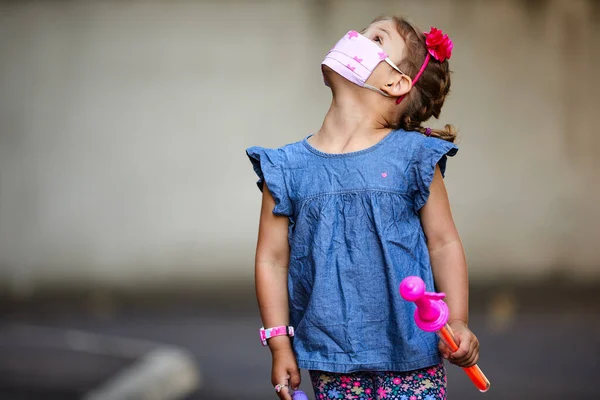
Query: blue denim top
{"x": 354, "y": 234}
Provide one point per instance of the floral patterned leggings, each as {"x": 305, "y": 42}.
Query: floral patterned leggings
{"x": 423, "y": 384}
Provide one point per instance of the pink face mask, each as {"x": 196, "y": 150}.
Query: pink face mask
{"x": 355, "y": 57}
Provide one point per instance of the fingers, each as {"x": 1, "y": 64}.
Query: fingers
{"x": 472, "y": 356}
{"x": 285, "y": 373}
{"x": 444, "y": 350}
{"x": 285, "y": 394}
{"x": 288, "y": 380}
{"x": 464, "y": 345}
{"x": 295, "y": 378}
{"x": 468, "y": 350}
{"x": 281, "y": 379}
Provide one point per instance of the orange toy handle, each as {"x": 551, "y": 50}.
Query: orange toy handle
{"x": 474, "y": 372}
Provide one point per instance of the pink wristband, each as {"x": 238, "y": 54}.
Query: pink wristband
{"x": 276, "y": 331}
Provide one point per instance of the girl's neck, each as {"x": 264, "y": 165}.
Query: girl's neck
{"x": 349, "y": 126}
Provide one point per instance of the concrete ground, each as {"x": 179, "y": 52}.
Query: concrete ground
{"x": 534, "y": 346}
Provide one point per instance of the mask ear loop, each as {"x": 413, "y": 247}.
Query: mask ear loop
{"x": 387, "y": 60}
{"x": 425, "y": 63}
{"x": 373, "y": 88}
{"x": 391, "y": 63}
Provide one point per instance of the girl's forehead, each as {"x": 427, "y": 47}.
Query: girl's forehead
{"x": 393, "y": 44}
{"x": 389, "y": 27}
{"x": 386, "y": 24}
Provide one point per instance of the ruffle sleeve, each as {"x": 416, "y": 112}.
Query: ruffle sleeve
{"x": 432, "y": 152}
{"x": 268, "y": 168}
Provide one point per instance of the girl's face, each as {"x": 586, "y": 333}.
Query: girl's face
{"x": 385, "y": 35}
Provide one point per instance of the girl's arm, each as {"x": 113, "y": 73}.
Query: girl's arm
{"x": 449, "y": 267}
{"x": 446, "y": 252}
{"x": 271, "y": 272}
{"x": 271, "y": 269}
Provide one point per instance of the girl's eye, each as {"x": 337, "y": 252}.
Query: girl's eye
{"x": 377, "y": 39}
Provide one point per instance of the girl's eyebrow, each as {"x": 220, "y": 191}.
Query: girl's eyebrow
{"x": 387, "y": 33}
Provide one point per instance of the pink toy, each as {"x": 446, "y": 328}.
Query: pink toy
{"x": 431, "y": 315}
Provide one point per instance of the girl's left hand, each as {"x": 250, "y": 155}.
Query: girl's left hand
{"x": 468, "y": 346}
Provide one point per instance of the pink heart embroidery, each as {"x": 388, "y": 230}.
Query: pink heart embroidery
{"x": 384, "y": 174}
{"x": 382, "y": 55}
{"x": 352, "y": 34}
{"x": 350, "y": 67}
{"x": 358, "y": 60}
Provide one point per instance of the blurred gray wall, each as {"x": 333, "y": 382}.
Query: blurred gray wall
{"x": 123, "y": 127}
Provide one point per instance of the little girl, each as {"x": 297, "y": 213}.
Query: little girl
{"x": 350, "y": 211}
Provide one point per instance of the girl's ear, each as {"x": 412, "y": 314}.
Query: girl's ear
{"x": 397, "y": 86}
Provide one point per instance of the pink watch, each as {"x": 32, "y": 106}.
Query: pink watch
{"x": 276, "y": 331}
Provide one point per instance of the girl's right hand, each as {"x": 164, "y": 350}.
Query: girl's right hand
{"x": 285, "y": 371}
